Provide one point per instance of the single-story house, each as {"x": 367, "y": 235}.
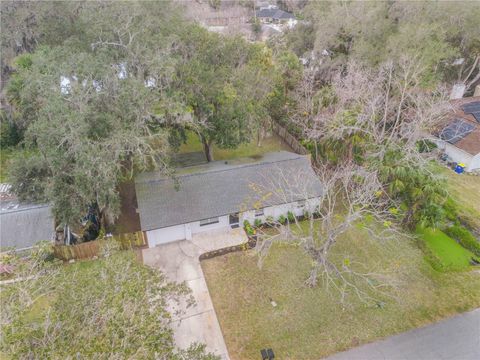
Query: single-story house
{"x": 223, "y": 194}
{"x": 272, "y": 14}
{"x": 459, "y": 136}
{"x": 24, "y": 225}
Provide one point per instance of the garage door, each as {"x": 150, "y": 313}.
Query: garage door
{"x": 165, "y": 235}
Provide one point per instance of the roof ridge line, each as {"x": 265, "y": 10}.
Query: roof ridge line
{"x": 240, "y": 166}
{"x": 7, "y": 211}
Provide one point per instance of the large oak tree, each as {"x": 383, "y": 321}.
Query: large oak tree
{"x": 225, "y": 82}
{"x": 87, "y": 106}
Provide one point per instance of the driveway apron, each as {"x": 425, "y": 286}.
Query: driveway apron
{"x": 180, "y": 262}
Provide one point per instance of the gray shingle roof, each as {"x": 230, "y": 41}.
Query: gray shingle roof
{"x": 220, "y": 188}
{"x": 25, "y": 226}
{"x": 274, "y": 14}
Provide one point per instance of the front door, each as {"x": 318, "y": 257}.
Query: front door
{"x": 234, "y": 220}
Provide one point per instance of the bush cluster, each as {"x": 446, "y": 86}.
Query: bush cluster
{"x": 464, "y": 238}
{"x": 249, "y": 229}
{"x": 290, "y": 217}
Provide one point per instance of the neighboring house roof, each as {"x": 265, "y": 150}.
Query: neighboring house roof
{"x": 5, "y": 189}
{"x": 462, "y": 128}
{"x": 276, "y": 14}
{"x": 456, "y": 131}
{"x": 23, "y": 225}
{"x": 224, "y": 187}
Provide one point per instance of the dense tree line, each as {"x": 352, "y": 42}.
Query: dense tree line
{"x": 375, "y": 88}
{"x": 103, "y": 90}
{"x": 443, "y": 36}
{"x": 377, "y": 80}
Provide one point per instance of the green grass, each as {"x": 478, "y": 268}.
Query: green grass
{"x": 44, "y": 303}
{"x": 5, "y": 157}
{"x": 465, "y": 190}
{"x": 39, "y": 309}
{"x": 35, "y": 315}
{"x": 269, "y": 144}
{"x": 449, "y": 253}
{"x": 310, "y": 323}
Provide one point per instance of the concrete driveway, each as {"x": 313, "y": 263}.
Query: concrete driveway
{"x": 457, "y": 338}
{"x": 180, "y": 262}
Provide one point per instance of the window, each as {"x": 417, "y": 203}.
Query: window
{"x": 301, "y": 204}
{"x": 259, "y": 213}
{"x": 209, "y": 221}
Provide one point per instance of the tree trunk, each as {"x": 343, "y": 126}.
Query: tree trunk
{"x": 260, "y": 136}
{"x": 207, "y": 148}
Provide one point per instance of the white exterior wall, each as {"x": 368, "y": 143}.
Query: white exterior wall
{"x": 196, "y": 228}
{"x": 475, "y": 163}
{"x": 165, "y": 235}
{"x": 185, "y": 231}
{"x": 458, "y": 155}
{"x": 277, "y": 211}
{"x": 180, "y": 232}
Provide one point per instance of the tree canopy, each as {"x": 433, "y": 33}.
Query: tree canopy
{"x": 87, "y": 105}
{"x": 110, "y": 96}
{"x": 58, "y": 312}
{"x": 225, "y": 82}
{"x": 437, "y": 33}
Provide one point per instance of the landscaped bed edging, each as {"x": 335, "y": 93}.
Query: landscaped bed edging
{"x": 250, "y": 244}
{"x": 252, "y": 239}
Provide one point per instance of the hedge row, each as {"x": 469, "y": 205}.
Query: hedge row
{"x": 464, "y": 238}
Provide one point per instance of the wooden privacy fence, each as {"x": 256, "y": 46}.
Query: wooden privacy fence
{"x": 90, "y": 249}
{"x": 289, "y": 139}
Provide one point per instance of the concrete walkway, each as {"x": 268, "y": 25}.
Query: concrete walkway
{"x": 457, "y": 338}
{"x": 180, "y": 262}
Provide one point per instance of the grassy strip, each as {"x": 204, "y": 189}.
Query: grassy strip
{"x": 5, "y": 156}
{"x": 443, "y": 252}
{"x": 464, "y": 238}
{"x": 465, "y": 190}
{"x": 269, "y": 144}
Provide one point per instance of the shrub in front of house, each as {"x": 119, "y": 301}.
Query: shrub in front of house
{"x": 290, "y": 217}
{"x": 248, "y": 228}
{"x": 282, "y": 219}
{"x": 257, "y": 223}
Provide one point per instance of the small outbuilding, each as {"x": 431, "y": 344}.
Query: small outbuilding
{"x": 459, "y": 137}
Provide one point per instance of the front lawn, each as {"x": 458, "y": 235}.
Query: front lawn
{"x": 309, "y": 323}
{"x": 465, "y": 190}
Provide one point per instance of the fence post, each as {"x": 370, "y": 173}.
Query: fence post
{"x": 289, "y": 139}
{"x": 92, "y": 248}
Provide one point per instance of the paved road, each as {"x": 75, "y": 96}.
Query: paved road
{"x": 457, "y": 338}
{"x": 179, "y": 261}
